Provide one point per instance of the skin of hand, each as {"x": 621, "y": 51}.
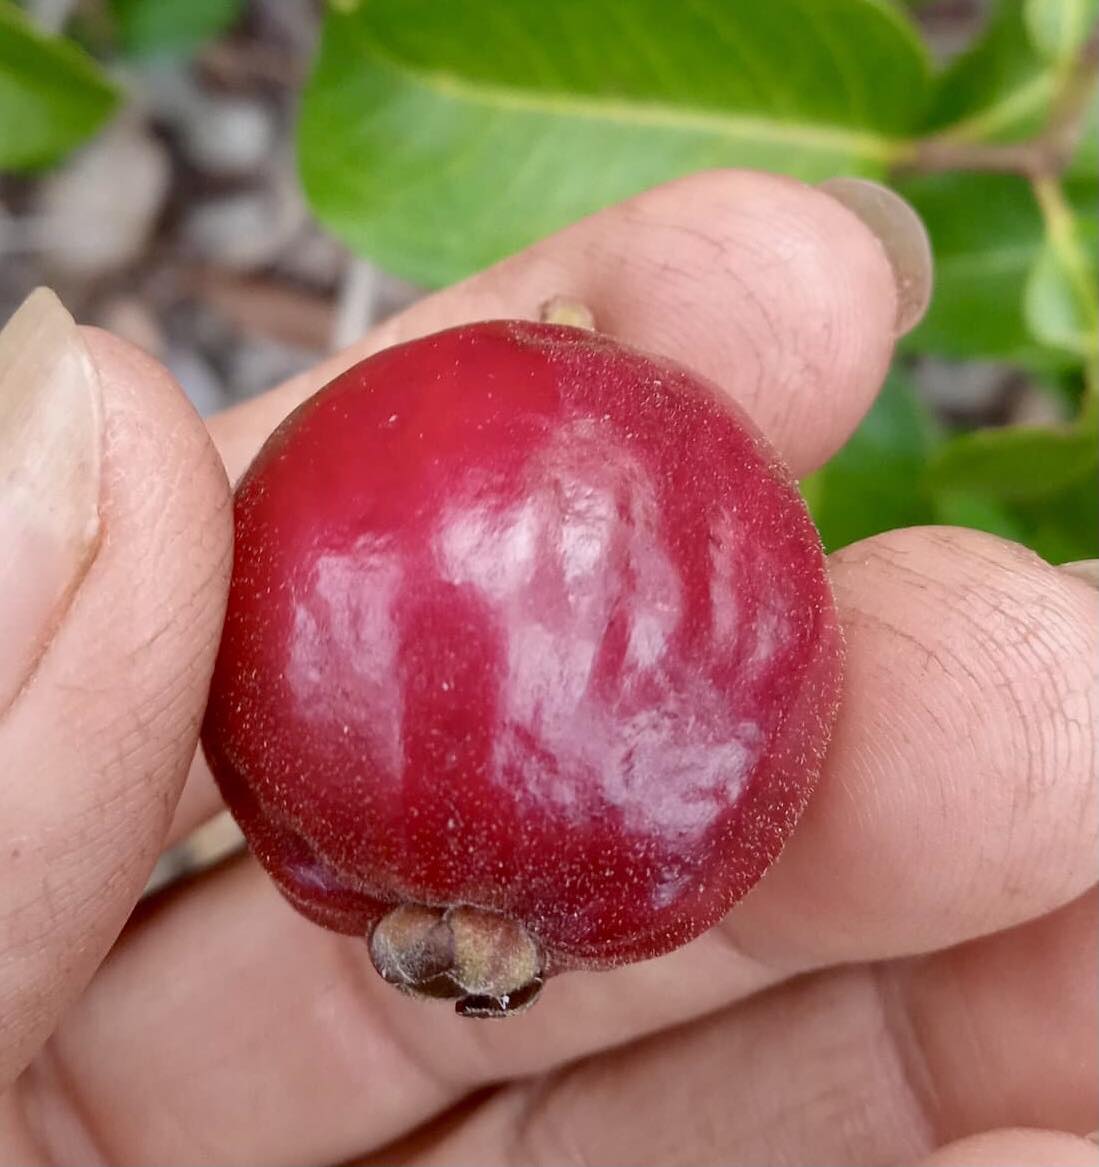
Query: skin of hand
{"x": 914, "y": 981}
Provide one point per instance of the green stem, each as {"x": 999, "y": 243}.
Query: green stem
{"x": 1064, "y": 238}
{"x": 1069, "y": 88}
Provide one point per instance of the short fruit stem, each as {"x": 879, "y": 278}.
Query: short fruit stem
{"x": 565, "y": 310}
{"x": 484, "y": 962}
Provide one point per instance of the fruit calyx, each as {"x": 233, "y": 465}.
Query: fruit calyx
{"x": 486, "y": 963}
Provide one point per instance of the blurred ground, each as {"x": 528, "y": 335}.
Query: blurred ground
{"x": 182, "y": 227}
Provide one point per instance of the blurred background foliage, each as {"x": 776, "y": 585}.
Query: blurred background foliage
{"x": 433, "y": 138}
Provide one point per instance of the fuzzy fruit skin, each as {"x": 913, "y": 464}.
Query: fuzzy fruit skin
{"x": 526, "y": 620}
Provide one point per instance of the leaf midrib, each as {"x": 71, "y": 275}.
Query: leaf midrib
{"x": 994, "y": 259}
{"x": 737, "y": 127}
{"x": 1020, "y": 103}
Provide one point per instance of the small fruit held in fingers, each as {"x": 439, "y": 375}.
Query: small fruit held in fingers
{"x": 530, "y": 659}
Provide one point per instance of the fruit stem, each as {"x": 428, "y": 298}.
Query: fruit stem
{"x": 566, "y": 310}
{"x": 486, "y": 963}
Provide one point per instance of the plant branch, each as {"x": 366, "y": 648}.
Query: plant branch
{"x": 1064, "y": 237}
{"x": 1044, "y": 156}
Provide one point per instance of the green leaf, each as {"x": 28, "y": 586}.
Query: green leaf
{"x": 876, "y": 482}
{"x": 438, "y": 138}
{"x": 1001, "y": 89}
{"x": 1083, "y": 171}
{"x": 1063, "y": 526}
{"x": 1055, "y": 311}
{"x": 986, "y": 233}
{"x": 52, "y": 95}
{"x": 1081, "y": 190}
{"x": 163, "y": 27}
{"x": 1017, "y": 462}
{"x": 1058, "y": 28}
{"x": 897, "y": 471}
{"x": 958, "y": 508}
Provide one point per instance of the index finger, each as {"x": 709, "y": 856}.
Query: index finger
{"x": 775, "y": 290}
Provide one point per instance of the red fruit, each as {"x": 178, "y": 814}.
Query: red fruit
{"x": 530, "y": 652}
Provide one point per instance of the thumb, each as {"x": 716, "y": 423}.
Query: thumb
{"x": 115, "y": 530}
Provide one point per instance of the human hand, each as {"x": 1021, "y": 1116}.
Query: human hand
{"x": 918, "y": 967}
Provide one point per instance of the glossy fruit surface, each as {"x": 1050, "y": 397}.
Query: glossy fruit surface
{"x": 522, "y": 620}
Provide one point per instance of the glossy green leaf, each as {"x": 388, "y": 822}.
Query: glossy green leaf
{"x": 876, "y": 482}
{"x": 437, "y": 138}
{"x": 1065, "y": 525}
{"x": 1060, "y": 526}
{"x": 986, "y": 233}
{"x": 156, "y": 27}
{"x": 52, "y": 95}
{"x": 1058, "y": 28}
{"x": 958, "y": 508}
{"x": 1017, "y": 462}
{"x": 1001, "y": 89}
{"x": 1076, "y": 260}
{"x": 1055, "y": 310}
{"x": 1082, "y": 175}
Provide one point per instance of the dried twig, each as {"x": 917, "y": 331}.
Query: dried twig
{"x": 264, "y": 306}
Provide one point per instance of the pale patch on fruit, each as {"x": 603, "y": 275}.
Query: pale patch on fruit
{"x": 656, "y": 603}
{"x": 669, "y": 889}
{"x": 772, "y": 629}
{"x": 586, "y": 530}
{"x": 478, "y": 547}
{"x": 308, "y": 874}
{"x": 650, "y": 632}
{"x": 347, "y": 614}
{"x": 667, "y": 771}
{"x": 670, "y": 786}
{"x": 548, "y": 675}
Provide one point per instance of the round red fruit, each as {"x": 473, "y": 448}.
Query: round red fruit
{"x": 530, "y": 659}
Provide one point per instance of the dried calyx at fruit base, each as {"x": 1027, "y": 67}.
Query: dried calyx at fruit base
{"x": 484, "y": 962}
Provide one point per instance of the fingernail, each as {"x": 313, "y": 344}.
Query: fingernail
{"x": 1085, "y": 569}
{"x": 50, "y": 441}
{"x": 902, "y": 235}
